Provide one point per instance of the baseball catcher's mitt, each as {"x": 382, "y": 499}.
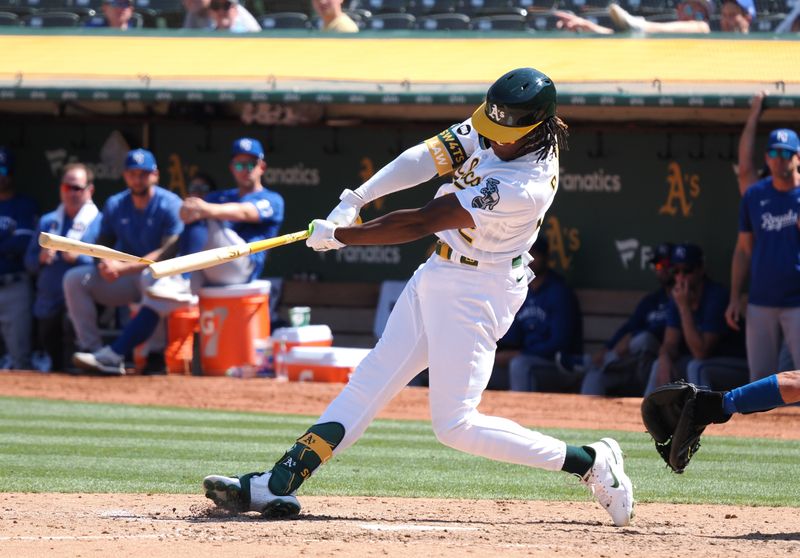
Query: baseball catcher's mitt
{"x": 676, "y": 415}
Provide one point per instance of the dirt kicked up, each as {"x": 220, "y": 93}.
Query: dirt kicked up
{"x": 179, "y": 525}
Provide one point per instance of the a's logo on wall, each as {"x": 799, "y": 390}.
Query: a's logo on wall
{"x": 682, "y": 189}
{"x": 563, "y": 242}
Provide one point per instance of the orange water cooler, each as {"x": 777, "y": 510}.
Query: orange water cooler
{"x": 234, "y": 328}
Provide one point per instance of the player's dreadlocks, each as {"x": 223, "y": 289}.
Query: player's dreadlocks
{"x": 549, "y": 135}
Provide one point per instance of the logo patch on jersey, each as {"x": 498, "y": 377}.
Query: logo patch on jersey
{"x": 489, "y": 197}
{"x": 495, "y": 113}
{"x": 464, "y": 129}
{"x": 447, "y": 151}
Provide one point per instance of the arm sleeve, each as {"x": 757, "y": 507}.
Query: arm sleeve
{"x": 413, "y": 166}
{"x": 32, "y": 255}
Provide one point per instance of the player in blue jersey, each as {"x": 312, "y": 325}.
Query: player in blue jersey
{"x": 623, "y": 365}
{"x": 75, "y": 217}
{"x": 698, "y": 345}
{"x": 768, "y": 250}
{"x": 18, "y": 216}
{"x": 142, "y": 220}
{"x": 239, "y": 215}
{"x": 549, "y": 321}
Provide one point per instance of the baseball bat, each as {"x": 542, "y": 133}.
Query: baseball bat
{"x": 216, "y": 256}
{"x": 64, "y": 244}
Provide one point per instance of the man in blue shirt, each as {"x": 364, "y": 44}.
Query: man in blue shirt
{"x": 548, "y": 321}
{"x": 143, "y": 220}
{"x": 239, "y": 215}
{"x": 698, "y": 345}
{"x": 768, "y": 248}
{"x": 623, "y": 365}
{"x": 76, "y": 217}
{"x": 18, "y": 216}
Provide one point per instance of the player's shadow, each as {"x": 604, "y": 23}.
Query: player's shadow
{"x": 758, "y": 536}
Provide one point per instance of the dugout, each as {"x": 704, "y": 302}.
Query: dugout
{"x": 654, "y": 121}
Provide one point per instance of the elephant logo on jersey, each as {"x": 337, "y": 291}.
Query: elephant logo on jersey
{"x": 490, "y": 196}
{"x": 496, "y": 114}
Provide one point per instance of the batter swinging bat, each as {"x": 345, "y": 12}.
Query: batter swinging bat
{"x": 64, "y": 244}
{"x": 216, "y": 256}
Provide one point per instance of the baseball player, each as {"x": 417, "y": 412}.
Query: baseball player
{"x": 502, "y": 165}
{"x": 247, "y": 213}
{"x": 142, "y": 220}
{"x": 18, "y": 216}
{"x": 768, "y": 250}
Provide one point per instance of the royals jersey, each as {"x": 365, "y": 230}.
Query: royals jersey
{"x": 507, "y": 199}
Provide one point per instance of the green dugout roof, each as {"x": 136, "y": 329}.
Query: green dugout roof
{"x": 387, "y": 68}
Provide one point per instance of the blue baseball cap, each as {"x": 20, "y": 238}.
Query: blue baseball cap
{"x": 662, "y": 252}
{"x": 689, "y": 254}
{"x": 140, "y": 159}
{"x": 784, "y": 138}
{"x": 247, "y": 146}
{"x": 748, "y": 6}
{"x": 6, "y": 161}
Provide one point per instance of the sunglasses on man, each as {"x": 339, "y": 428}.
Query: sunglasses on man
{"x": 238, "y": 167}
{"x": 220, "y": 6}
{"x": 73, "y": 187}
{"x": 785, "y": 154}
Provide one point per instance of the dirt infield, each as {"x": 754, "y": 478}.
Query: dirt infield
{"x": 178, "y": 525}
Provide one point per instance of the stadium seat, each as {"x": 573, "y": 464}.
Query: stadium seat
{"x": 392, "y": 22}
{"x": 543, "y": 21}
{"x": 766, "y": 23}
{"x": 8, "y": 19}
{"x": 89, "y": 4}
{"x": 285, "y": 20}
{"x": 360, "y": 16}
{"x": 52, "y": 19}
{"x": 582, "y": 6}
{"x": 159, "y": 6}
{"x": 499, "y": 23}
{"x": 430, "y": 7}
{"x": 389, "y": 6}
{"x": 52, "y": 5}
{"x": 650, "y": 7}
{"x": 443, "y": 22}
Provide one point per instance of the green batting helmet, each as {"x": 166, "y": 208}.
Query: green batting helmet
{"x": 515, "y": 105}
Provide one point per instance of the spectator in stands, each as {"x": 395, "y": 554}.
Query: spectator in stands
{"x": 333, "y": 18}
{"x": 693, "y": 17}
{"x": 767, "y": 250}
{"x": 698, "y": 345}
{"x": 622, "y": 366}
{"x": 246, "y": 213}
{"x": 18, "y": 216}
{"x": 117, "y": 14}
{"x": 198, "y": 15}
{"x": 228, "y": 15}
{"x": 548, "y": 321}
{"x": 76, "y": 217}
{"x": 143, "y": 220}
{"x": 736, "y": 16}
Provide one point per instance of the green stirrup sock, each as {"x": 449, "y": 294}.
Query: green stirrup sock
{"x": 578, "y": 460}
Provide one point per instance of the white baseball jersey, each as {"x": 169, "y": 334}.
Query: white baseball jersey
{"x": 507, "y": 199}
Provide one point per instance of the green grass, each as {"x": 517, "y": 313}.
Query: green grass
{"x": 56, "y": 446}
